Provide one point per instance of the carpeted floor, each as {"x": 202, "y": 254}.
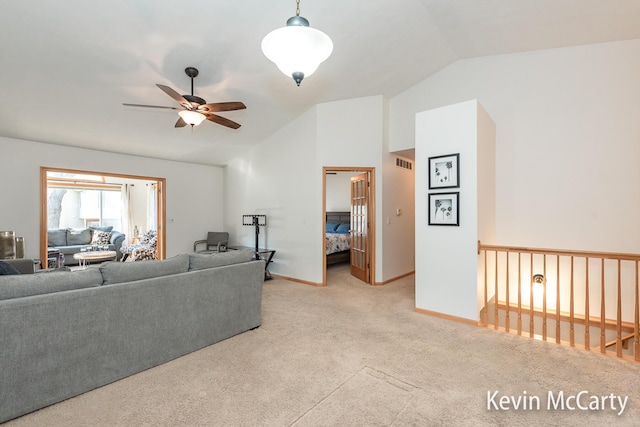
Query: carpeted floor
{"x": 354, "y": 355}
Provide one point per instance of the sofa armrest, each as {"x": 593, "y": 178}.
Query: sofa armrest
{"x": 117, "y": 239}
{"x": 196, "y": 243}
{"x": 23, "y": 265}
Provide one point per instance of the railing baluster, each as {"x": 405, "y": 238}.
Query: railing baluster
{"x": 507, "y": 321}
{"x": 558, "y": 299}
{"x": 587, "y": 326}
{"x": 531, "y": 297}
{"x": 496, "y": 320}
{"x": 636, "y": 326}
{"x": 519, "y": 294}
{"x": 486, "y": 292}
{"x": 572, "y": 340}
{"x": 544, "y": 297}
{"x": 603, "y": 341}
{"x": 619, "y": 315}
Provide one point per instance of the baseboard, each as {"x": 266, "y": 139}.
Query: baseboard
{"x": 394, "y": 279}
{"x": 291, "y": 279}
{"x": 447, "y": 316}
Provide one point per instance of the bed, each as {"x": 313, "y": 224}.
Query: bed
{"x": 337, "y": 237}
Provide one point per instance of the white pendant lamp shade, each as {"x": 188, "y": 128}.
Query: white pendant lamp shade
{"x": 192, "y": 118}
{"x": 297, "y": 49}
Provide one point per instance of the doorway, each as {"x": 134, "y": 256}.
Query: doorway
{"x": 93, "y": 192}
{"x": 361, "y": 211}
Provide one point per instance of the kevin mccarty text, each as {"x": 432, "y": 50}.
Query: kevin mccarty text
{"x": 556, "y": 401}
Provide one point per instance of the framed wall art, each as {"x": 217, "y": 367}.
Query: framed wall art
{"x": 444, "y": 171}
{"x": 444, "y": 209}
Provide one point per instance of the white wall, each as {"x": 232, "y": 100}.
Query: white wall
{"x": 486, "y": 188}
{"x": 280, "y": 178}
{"x": 446, "y": 256}
{"x": 338, "y": 191}
{"x": 398, "y": 250}
{"x": 350, "y": 133}
{"x": 193, "y": 191}
{"x": 567, "y": 141}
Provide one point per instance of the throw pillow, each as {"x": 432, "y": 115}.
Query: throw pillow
{"x": 7, "y": 269}
{"x": 331, "y": 227}
{"x": 148, "y": 236}
{"x": 101, "y": 237}
{"x": 343, "y": 228}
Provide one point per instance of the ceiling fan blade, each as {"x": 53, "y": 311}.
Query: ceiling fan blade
{"x": 222, "y": 121}
{"x": 152, "y": 106}
{"x": 180, "y": 123}
{"x": 222, "y": 106}
{"x": 176, "y": 96}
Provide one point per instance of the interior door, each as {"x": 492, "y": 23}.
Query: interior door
{"x": 360, "y": 227}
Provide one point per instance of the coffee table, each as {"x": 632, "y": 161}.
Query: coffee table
{"x": 91, "y": 256}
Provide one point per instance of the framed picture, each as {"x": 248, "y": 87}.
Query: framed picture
{"x": 444, "y": 209}
{"x": 444, "y": 171}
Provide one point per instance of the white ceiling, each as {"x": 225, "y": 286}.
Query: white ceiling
{"x": 67, "y": 66}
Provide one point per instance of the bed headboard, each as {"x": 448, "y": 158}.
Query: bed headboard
{"x": 339, "y": 217}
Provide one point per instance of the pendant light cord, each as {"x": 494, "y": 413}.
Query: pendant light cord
{"x": 297, "y": 7}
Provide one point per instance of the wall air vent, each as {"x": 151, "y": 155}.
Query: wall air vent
{"x": 403, "y": 163}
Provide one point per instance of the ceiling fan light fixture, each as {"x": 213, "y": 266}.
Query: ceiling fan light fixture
{"x": 192, "y": 118}
{"x": 297, "y": 49}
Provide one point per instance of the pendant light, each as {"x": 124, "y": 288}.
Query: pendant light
{"x": 297, "y": 49}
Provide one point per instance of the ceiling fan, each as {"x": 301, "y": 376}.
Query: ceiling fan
{"x": 195, "y": 109}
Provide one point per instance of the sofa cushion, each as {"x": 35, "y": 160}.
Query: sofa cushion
{"x": 57, "y": 236}
{"x": 81, "y": 236}
{"x": 35, "y": 284}
{"x": 218, "y": 259}
{"x": 120, "y": 272}
{"x": 101, "y": 228}
{"x": 101, "y": 237}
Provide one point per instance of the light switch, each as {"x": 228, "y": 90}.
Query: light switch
{"x": 398, "y": 212}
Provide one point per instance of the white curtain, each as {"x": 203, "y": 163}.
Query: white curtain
{"x": 152, "y": 207}
{"x": 127, "y": 211}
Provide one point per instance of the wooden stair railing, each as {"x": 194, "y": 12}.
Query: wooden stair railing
{"x": 580, "y": 277}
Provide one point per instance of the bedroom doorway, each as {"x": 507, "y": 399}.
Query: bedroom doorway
{"x": 348, "y": 202}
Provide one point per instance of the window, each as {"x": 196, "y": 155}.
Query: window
{"x": 78, "y": 208}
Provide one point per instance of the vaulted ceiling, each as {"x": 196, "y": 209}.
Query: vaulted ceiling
{"x": 66, "y": 67}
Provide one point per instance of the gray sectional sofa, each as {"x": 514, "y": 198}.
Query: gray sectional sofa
{"x": 70, "y": 241}
{"x": 65, "y": 333}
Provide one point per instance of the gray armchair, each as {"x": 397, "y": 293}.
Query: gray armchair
{"x": 216, "y": 242}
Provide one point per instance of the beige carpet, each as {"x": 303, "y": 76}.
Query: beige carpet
{"x": 351, "y": 355}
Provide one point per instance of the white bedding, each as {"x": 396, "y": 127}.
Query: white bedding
{"x": 337, "y": 242}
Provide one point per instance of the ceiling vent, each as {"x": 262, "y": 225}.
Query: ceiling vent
{"x": 404, "y": 164}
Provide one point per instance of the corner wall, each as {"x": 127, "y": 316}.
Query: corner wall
{"x": 282, "y": 178}
{"x": 446, "y": 256}
{"x": 567, "y": 145}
